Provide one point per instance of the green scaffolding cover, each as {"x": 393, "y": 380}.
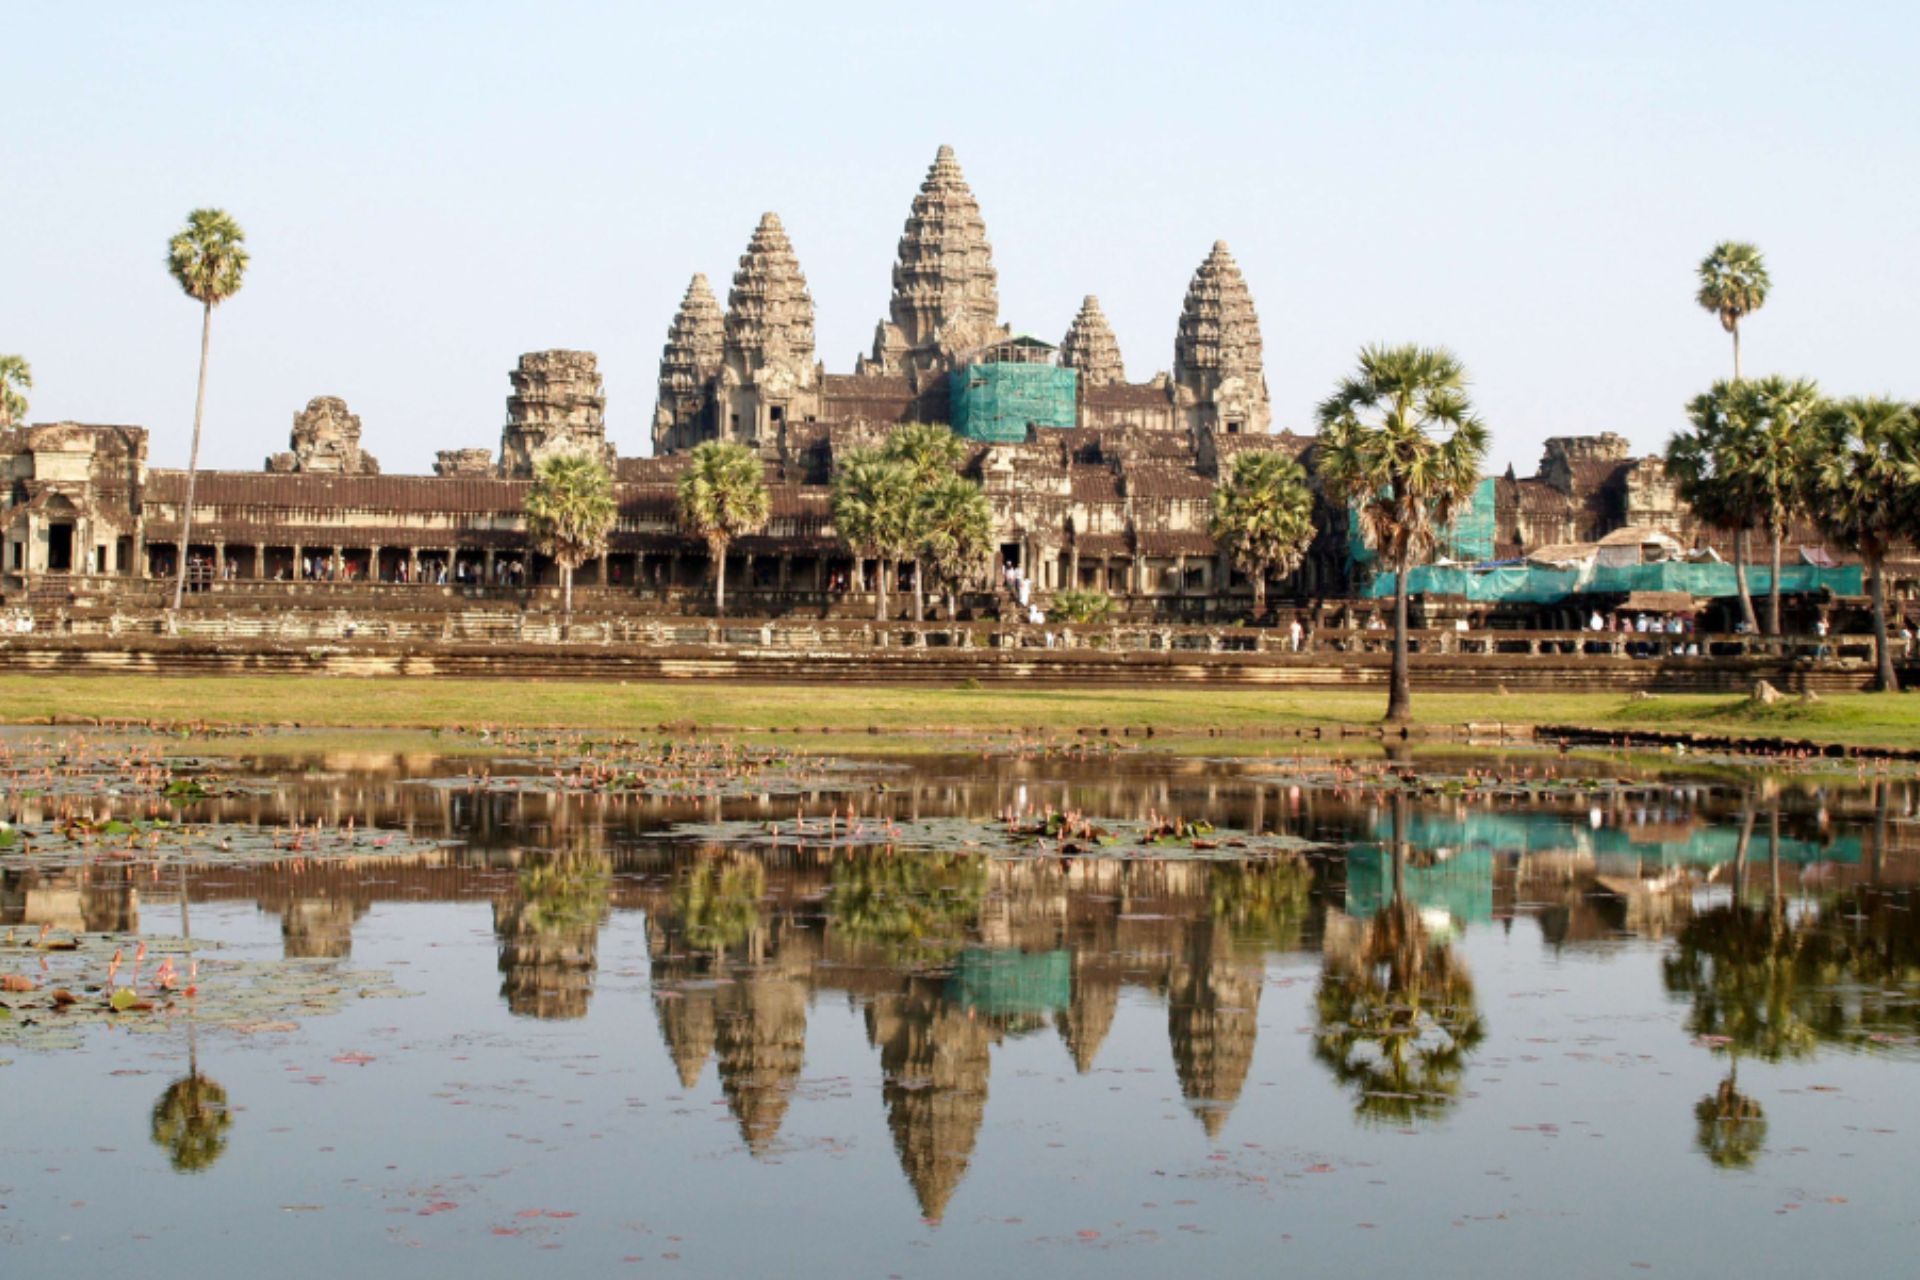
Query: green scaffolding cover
{"x": 1531, "y": 584}
{"x": 1468, "y": 538}
{"x": 995, "y": 402}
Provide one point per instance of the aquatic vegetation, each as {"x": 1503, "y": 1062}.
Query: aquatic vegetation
{"x": 75, "y": 841}
{"x": 55, "y": 988}
{"x": 574, "y": 765}
{"x": 1057, "y": 835}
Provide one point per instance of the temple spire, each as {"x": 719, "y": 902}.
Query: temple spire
{"x": 696, "y": 342}
{"x": 1091, "y": 348}
{"x": 1217, "y": 364}
{"x": 946, "y": 293}
{"x": 769, "y": 310}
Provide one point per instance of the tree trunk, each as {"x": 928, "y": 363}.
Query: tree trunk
{"x": 1777, "y": 534}
{"x": 193, "y": 472}
{"x": 1740, "y": 580}
{"x": 1401, "y": 804}
{"x": 880, "y": 589}
{"x": 1736, "y": 351}
{"x": 919, "y": 594}
{"x": 1884, "y": 679}
{"x": 566, "y": 597}
{"x": 1400, "y": 693}
{"x": 1740, "y": 852}
{"x": 719, "y": 580}
{"x": 1776, "y": 915}
{"x": 1260, "y": 594}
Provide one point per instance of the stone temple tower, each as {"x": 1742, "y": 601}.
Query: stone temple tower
{"x": 557, "y": 406}
{"x": 1091, "y": 348}
{"x": 768, "y": 374}
{"x": 1220, "y": 382}
{"x": 946, "y": 297}
{"x": 696, "y": 346}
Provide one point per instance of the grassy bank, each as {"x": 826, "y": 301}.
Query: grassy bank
{"x": 319, "y": 701}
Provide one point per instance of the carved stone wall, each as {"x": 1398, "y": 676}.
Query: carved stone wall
{"x": 557, "y": 406}
{"x": 463, "y": 462}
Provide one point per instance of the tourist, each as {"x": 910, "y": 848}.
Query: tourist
{"x": 1293, "y": 635}
{"x": 1906, "y": 638}
{"x": 1596, "y": 623}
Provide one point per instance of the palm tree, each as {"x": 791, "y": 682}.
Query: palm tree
{"x": 1865, "y": 478}
{"x": 1776, "y": 416}
{"x": 873, "y": 512}
{"x": 723, "y": 496}
{"x": 1733, "y": 285}
{"x": 570, "y": 509}
{"x": 931, "y": 453}
{"x": 190, "y": 1122}
{"x": 1705, "y": 467}
{"x": 1400, "y": 444}
{"x": 208, "y": 259}
{"x": 16, "y": 378}
{"x": 955, "y": 534}
{"x": 1263, "y": 516}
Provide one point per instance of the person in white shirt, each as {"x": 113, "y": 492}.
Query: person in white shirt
{"x": 1293, "y": 635}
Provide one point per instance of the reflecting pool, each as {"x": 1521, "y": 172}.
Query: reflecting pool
{"x": 711, "y": 1010}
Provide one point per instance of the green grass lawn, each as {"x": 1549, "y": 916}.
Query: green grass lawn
{"x": 337, "y": 702}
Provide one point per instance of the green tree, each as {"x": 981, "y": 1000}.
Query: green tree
{"x": 570, "y": 510}
{"x": 1263, "y": 516}
{"x": 1733, "y": 285}
{"x": 190, "y": 1122}
{"x": 16, "y": 379}
{"x": 1774, "y": 430}
{"x": 955, "y": 531}
{"x": 1865, "y": 491}
{"x": 716, "y": 901}
{"x": 208, "y": 260}
{"x": 873, "y": 505}
{"x": 932, "y": 454}
{"x": 723, "y": 496}
{"x": 1400, "y": 443}
{"x": 1704, "y": 464}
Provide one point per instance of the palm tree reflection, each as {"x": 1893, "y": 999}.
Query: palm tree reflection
{"x": 1396, "y": 1014}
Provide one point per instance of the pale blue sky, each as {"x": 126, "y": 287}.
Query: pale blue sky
{"x": 429, "y": 190}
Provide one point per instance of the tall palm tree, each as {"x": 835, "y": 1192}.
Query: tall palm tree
{"x": 723, "y": 496}
{"x": 1705, "y": 465}
{"x": 1865, "y": 483}
{"x": 1263, "y": 516}
{"x": 1776, "y": 417}
{"x": 207, "y": 259}
{"x": 570, "y": 510}
{"x": 873, "y": 512}
{"x": 930, "y": 452}
{"x": 16, "y": 378}
{"x": 1401, "y": 445}
{"x": 1733, "y": 285}
{"x": 955, "y": 534}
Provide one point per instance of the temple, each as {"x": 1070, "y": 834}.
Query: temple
{"x": 1096, "y": 482}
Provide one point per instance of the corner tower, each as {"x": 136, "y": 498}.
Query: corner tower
{"x": 768, "y": 375}
{"x": 946, "y": 294}
{"x": 1220, "y": 382}
{"x": 696, "y": 346}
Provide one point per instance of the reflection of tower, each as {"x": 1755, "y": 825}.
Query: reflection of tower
{"x": 94, "y": 901}
{"x": 1084, "y": 1023}
{"x": 1213, "y": 1014}
{"x": 318, "y": 928}
{"x": 762, "y": 1043}
{"x": 935, "y": 1061}
{"x": 549, "y": 934}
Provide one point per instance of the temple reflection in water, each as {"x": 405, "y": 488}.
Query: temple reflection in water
{"x": 950, "y": 955}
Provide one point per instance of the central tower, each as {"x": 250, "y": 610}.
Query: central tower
{"x": 946, "y": 295}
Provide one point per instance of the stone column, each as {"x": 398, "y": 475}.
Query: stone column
{"x": 259, "y": 560}
{"x": 1180, "y": 575}
{"x": 487, "y": 568}
{"x": 220, "y": 561}
{"x": 413, "y": 565}
{"x": 373, "y": 563}
{"x": 294, "y": 573}
{"x": 601, "y": 576}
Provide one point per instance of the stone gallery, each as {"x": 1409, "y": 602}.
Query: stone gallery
{"x": 1096, "y": 482}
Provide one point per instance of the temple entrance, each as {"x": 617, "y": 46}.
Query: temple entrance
{"x": 1010, "y": 555}
{"x": 59, "y": 548}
